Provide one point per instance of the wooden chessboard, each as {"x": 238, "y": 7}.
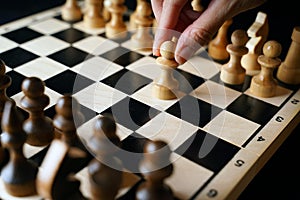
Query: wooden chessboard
{"x": 220, "y": 136}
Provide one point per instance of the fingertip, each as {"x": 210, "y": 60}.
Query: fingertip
{"x": 155, "y": 52}
{"x": 159, "y": 38}
{"x": 184, "y": 52}
{"x": 180, "y": 60}
{"x": 155, "y": 47}
{"x": 186, "y": 48}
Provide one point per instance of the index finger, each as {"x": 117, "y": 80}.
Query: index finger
{"x": 168, "y": 18}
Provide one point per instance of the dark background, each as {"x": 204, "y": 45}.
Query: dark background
{"x": 283, "y": 16}
{"x": 279, "y": 178}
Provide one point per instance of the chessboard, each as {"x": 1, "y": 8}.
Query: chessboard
{"x": 219, "y": 135}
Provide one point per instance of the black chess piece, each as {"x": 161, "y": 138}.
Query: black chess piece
{"x": 68, "y": 117}
{"x": 155, "y": 167}
{"x": 5, "y": 82}
{"x": 105, "y": 171}
{"x": 19, "y": 174}
{"x": 4, "y": 156}
{"x": 38, "y": 127}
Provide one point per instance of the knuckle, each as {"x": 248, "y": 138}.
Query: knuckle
{"x": 201, "y": 36}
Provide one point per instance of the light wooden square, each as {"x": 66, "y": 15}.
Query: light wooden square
{"x": 215, "y": 94}
{"x": 50, "y": 26}
{"x": 96, "y": 68}
{"x": 45, "y": 45}
{"x": 201, "y": 67}
{"x": 41, "y": 67}
{"x": 6, "y": 44}
{"x": 221, "y": 127}
{"x": 95, "y": 45}
{"x": 99, "y": 96}
{"x": 168, "y": 128}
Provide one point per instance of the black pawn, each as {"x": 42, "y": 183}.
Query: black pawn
{"x": 5, "y": 82}
{"x": 4, "y": 156}
{"x": 155, "y": 167}
{"x": 18, "y": 174}
{"x": 39, "y": 128}
{"x": 105, "y": 173}
{"x": 68, "y": 117}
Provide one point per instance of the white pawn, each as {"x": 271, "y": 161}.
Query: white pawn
{"x": 93, "y": 17}
{"x": 142, "y": 39}
{"x": 166, "y": 85}
{"x": 232, "y": 72}
{"x": 263, "y": 84}
{"x": 132, "y": 17}
{"x": 116, "y": 28}
{"x": 71, "y": 11}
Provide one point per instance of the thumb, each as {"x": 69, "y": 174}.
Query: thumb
{"x": 190, "y": 41}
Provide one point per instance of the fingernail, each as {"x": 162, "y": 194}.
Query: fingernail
{"x": 156, "y": 52}
{"x": 180, "y": 60}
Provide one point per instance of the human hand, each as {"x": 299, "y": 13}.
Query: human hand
{"x": 196, "y": 29}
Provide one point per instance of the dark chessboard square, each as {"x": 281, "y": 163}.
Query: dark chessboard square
{"x": 70, "y": 56}
{"x": 71, "y": 35}
{"x": 122, "y": 56}
{"x": 131, "y": 113}
{"x": 207, "y": 150}
{"x": 134, "y": 143}
{"x": 241, "y": 87}
{"x": 73, "y": 82}
{"x": 253, "y": 109}
{"x": 126, "y": 81}
{"x": 132, "y": 151}
{"x": 194, "y": 110}
{"x": 187, "y": 81}
{"x": 22, "y": 35}
{"x": 50, "y": 112}
{"x": 17, "y": 56}
{"x": 16, "y": 83}
{"x": 153, "y": 56}
{"x": 87, "y": 113}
